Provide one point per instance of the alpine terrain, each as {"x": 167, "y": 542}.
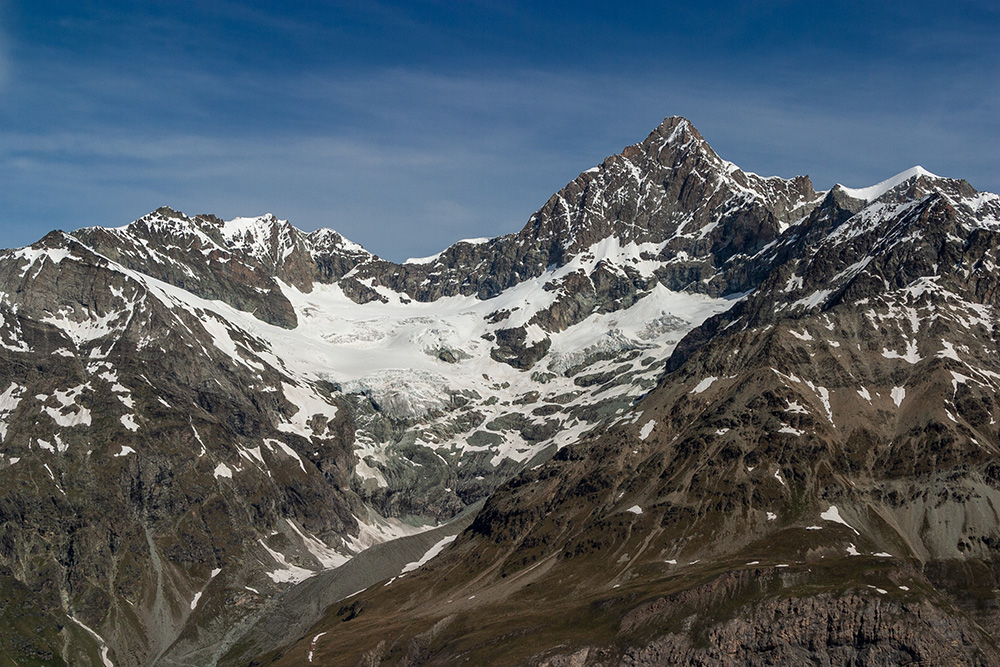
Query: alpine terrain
{"x": 686, "y": 415}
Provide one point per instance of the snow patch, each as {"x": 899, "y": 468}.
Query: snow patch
{"x": 223, "y": 340}
{"x": 813, "y": 300}
{"x": 824, "y": 395}
{"x": 286, "y": 572}
{"x": 898, "y": 394}
{"x": 9, "y": 400}
{"x": 312, "y": 647}
{"x": 794, "y": 407}
{"x": 833, "y": 514}
{"x": 429, "y": 554}
{"x": 948, "y": 351}
{"x": 704, "y": 385}
{"x": 100, "y": 641}
{"x": 69, "y": 413}
{"x": 910, "y": 356}
{"x": 309, "y": 404}
{"x": 287, "y": 450}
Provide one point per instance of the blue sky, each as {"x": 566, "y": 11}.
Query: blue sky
{"x": 407, "y": 126}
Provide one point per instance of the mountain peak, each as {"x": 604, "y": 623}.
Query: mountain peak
{"x": 676, "y": 127}
{"x": 167, "y": 212}
{"x": 251, "y": 227}
{"x": 676, "y": 132}
{"x": 873, "y": 192}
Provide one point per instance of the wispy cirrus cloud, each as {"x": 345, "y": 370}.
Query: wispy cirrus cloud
{"x": 407, "y": 161}
{"x": 467, "y": 125}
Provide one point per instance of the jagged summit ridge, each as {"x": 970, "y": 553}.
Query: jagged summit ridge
{"x": 669, "y": 199}
{"x": 265, "y": 239}
{"x": 671, "y": 189}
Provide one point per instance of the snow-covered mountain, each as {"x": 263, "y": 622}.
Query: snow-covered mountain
{"x": 813, "y": 481}
{"x": 199, "y": 416}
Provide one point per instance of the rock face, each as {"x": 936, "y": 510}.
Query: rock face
{"x": 847, "y": 629}
{"x": 767, "y": 415}
{"x": 141, "y": 461}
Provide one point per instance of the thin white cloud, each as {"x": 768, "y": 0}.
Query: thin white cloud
{"x": 406, "y": 161}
